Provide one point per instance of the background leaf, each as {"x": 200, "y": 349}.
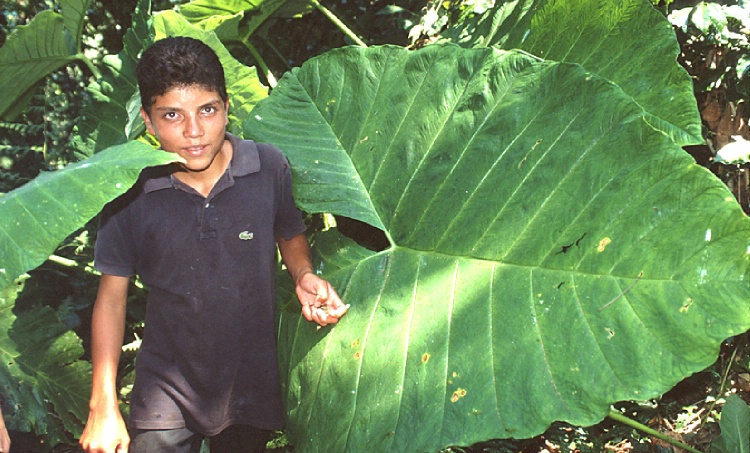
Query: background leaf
{"x": 256, "y": 11}
{"x": 35, "y": 50}
{"x": 44, "y": 384}
{"x": 735, "y": 427}
{"x": 107, "y": 116}
{"x": 200, "y": 10}
{"x": 551, "y": 253}
{"x": 627, "y": 42}
{"x": 36, "y": 217}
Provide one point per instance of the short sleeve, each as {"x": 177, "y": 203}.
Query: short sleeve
{"x": 115, "y": 250}
{"x": 288, "y": 222}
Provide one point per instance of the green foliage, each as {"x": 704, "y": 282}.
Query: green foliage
{"x": 209, "y": 15}
{"x": 523, "y": 222}
{"x": 735, "y": 427}
{"x": 44, "y": 385}
{"x": 106, "y": 119}
{"x": 600, "y": 36}
{"x": 58, "y": 203}
{"x": 34, "y": 51}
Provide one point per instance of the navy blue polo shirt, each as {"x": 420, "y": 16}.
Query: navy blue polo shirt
{"x": 208, "y": 357}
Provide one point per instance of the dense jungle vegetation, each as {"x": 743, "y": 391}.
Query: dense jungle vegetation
{"x": 505, "y": 192}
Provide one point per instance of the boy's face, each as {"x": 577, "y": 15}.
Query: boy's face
{"x": 189, "y": 121}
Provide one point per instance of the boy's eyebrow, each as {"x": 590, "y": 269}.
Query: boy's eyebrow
{"x": 177, "y": 109}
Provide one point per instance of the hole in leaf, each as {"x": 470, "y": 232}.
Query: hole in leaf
{"x": 364, "y": 234}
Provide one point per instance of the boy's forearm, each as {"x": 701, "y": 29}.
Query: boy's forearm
{"x": 296, "y": 256}
{"x": 107, "y": 333}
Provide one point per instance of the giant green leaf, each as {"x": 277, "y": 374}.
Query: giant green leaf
{"x": 625, "y": 41}
{"x": 551, "y": 252}
{"x": 199, "y": 10}
{"x": 33, "y": 51}
{"x": 257, "y": 11}
{"x": 36, "y": 217}
{"x": 44, "y": 385}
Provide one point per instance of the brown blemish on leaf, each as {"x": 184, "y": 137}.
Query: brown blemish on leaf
{"x": 458, "y": 394}
{"x": 425, "y": 357}
{"x": 355, "y": 343}
{"x": 686, "y": 306}
{"x": 357, "y": 355}
{"x": 603, "y": 244}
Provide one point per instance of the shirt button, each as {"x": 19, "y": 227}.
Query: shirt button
{"x": 208, "y": 205}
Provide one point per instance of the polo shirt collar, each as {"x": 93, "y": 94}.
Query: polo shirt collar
{"x": 245, "y": 161}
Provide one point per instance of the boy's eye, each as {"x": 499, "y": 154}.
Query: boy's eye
{"x": 170, "y": 115}
{"x": 209, "y": 109}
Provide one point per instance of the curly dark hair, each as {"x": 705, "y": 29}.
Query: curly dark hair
{"x": 178, "y": 61}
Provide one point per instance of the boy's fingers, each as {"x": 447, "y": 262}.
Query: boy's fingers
{"x": 320, "y": 317}
{"x": 323, "y": 291}
{"x": 307, "y": 312}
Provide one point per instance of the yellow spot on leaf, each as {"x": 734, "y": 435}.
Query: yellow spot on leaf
{"x": 603, "y": 244}
{"x": 355, "y": 343}
{"x": 685, "y": 307}
{"x": 357, "y": 355}
{"x": 458, "y": 394}
{"x": 425, "y": 357}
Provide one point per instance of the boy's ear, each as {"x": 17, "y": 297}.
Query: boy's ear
{"x": 147, "y": 120}
{"x": 226, "y": 112}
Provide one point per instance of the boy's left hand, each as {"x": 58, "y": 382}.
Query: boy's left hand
{"x": 320, "y": 302}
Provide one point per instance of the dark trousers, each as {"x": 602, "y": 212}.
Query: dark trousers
{"x": 235, "y": 439}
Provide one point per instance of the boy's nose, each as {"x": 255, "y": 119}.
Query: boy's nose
{"x": 193, "y": 127}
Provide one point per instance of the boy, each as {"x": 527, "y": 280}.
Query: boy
{"x": 202, "y": 235}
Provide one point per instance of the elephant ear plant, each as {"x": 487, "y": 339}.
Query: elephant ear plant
{"x": 551, "y": 252}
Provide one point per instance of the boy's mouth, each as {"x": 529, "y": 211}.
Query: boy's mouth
{"x": 195, "y": 150}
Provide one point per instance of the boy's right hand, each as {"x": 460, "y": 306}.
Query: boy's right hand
{"x": 105, "y": 432}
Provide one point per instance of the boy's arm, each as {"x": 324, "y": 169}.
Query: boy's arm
{"x": 105, "y": 430}
{"x": 4, "y": 437}
{"x": 320, "y": 302}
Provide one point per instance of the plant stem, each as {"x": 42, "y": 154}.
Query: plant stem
{"x": 337, "y": 22}
{"x": 67, "y": 262}
{"x": 261, "y": 64}
{"x": 89, "y": 64}
{"x": 617, "y": 416}
{"x": 721, "y": 387}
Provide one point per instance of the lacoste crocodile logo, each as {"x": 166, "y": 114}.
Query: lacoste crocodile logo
{"x": 246, "y": 235}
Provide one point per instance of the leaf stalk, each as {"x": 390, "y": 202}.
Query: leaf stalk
{"x": 270, "y": 78}
{"x": 90, "y": 64}
{"x": 337, "y": 22}
{"x": 617, "y": 416}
